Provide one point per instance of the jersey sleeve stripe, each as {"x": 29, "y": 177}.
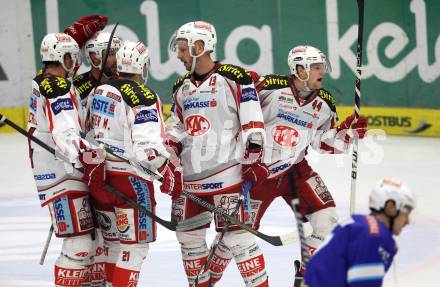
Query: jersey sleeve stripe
{"x": 365, "y": 272}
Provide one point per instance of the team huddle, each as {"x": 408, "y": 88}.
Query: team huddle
{"x": 229, "y": 128}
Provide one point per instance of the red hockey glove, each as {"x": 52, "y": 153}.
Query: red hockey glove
{"x": 253, "y": 168}
{"x": 83, "y": 29}
{"x": 359, "y": 127}
{"x": 93, "y": 161}
{"x": 172, "y": 183}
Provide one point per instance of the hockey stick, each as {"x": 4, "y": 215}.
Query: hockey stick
{"x": 225, "y": 229}
{"x": 46, "y": 245}
{"x": 283, "y": 239}
{"x": 299, "y": 225}
{"x": 167, "y": 224}
{"x": 357, "y": 104}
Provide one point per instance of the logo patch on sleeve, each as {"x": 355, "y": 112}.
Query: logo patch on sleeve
{"x": 61, "y": 104}
{"x": 146, "y": 116}
{"x": 248, "y": 94}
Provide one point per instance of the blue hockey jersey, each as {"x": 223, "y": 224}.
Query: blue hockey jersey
{"x": 357, "y": 253}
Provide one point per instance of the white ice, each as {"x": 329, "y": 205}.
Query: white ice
{"x": 24, "y": 225}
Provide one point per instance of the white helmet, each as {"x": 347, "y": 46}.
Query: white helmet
{"x": 306, "y": 56}
{"x": 395, "y": 190}
{"x": 132, "y": 58}
{"x": 56, "y": 45}
{"x": 98, "y": 44}
{"x": 197, "y": 31}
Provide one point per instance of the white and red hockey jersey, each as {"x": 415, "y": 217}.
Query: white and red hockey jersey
{"x": 127, "y": 116}
{"x": 213, "y": 119}
{"x": 54, "y": 118}
{"x": 293, "y": 123}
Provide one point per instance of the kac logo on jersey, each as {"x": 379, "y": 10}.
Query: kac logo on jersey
{"x": 146, "y": 116}
{"x": 61, "y": 104}
{"x": 196, "y": 125}
{"x": 285, "y": 136}
{"x": 103, "y": 105}
{"x": 248, "y": 94}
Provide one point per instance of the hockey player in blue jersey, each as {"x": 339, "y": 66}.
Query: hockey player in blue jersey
{"x": 360, "y": 250}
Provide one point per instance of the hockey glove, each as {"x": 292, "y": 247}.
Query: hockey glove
{"x": 93, "y": 161}
{"x": 172, "y": 183}
{"x": 350, "y": 128}
{"x": 83, "y": 29}
{"x": 253, "y": 168}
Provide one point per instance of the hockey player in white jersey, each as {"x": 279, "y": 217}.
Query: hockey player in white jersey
{"x": 127, "y": 117}
{"x": 217, "y": 121}
{"x": 299, "y": 113}
{"x": 54, "y": 119}
{"x": 94, "y": 50}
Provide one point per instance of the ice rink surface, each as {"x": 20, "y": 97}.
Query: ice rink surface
{"x": 24, "y": 225}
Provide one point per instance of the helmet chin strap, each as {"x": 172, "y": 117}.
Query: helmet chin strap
{"x": 194, "y": 59}
{"x": 306, "y": 87}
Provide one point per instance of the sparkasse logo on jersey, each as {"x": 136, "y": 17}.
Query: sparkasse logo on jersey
{"x": 197, "y": 125}
{"x": 285, "y": 136}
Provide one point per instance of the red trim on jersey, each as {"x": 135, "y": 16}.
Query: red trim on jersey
{"x": 178, "y": 110}
{"x": 237, "y": 101}
{"x": 31, "y": 150}
{"x": 208, "y": 75}
{"x": 53, "y": 185}
{"x": 73, "y": 99}
{"x": 326, "y": 147}
{"x": 159, "y": 111}
{"x": 49, "y": 115}
{"x": 253, "y": 125}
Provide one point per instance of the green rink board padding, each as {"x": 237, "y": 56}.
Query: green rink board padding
{"x": 401, "y": 40}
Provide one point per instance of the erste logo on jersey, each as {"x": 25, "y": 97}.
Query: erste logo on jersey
{"x": 61, "y": 104}
{"x": 285, "y": 136}
{"x": 145, "y": 116}
{"x": 248, "y": 94}
{"x": 103, "y": 105}
{"x": 196, "y": 125}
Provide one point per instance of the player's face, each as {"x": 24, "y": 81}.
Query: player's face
{"x": 316, "y": 75}
{"x": 183, "y": 54}
{"x": 110, "y": 65}
{"x": 400, "y": 222}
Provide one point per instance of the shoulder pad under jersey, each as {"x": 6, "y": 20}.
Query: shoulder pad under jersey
{"x": 328, "y": 98}
{"x": 275, "y": 82}
{"x": 235, "y": 73}
{"x": 52, "y": 86}
{"x": 83, "y": 84}
{"x": 133, "y": 93}
{"x": 179, "y": 82}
